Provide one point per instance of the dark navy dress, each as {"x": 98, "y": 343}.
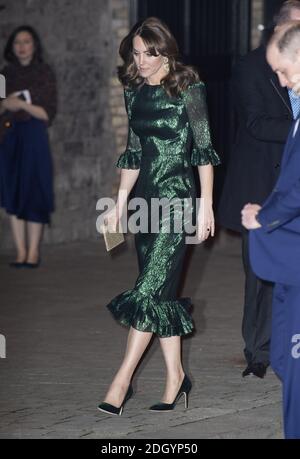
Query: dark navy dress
{"x": 26, "y": 172}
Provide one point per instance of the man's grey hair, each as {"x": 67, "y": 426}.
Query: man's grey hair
{"x": 289, "y": 41}
{"x": 284, "y": 14}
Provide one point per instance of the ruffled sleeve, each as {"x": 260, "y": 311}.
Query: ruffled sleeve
{"x": 203, "y": 152}
{"x": 131, "y": 158}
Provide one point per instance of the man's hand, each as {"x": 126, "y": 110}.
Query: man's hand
{"x": 249, "y": 214}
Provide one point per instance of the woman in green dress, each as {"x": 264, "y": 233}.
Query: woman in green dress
{"x": 168, "y": 134}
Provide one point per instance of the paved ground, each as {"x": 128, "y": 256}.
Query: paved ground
{"x": 63, "y": 348}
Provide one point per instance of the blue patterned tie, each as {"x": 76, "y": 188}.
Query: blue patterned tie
{"x": 295, "y": 103}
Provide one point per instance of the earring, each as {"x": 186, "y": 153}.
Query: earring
{"x": 166, "y": 65}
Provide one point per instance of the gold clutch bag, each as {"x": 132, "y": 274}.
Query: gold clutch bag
{"x": 112, "y": 238}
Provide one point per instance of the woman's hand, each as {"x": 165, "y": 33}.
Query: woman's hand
{"x": 206, "y": 220}
{"x": 112, "y": 218}
{"x": 13, "y": 103}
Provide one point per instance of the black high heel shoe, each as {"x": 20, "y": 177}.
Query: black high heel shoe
{"x": 111, "y": 409}
{"x": 185, "y": 389}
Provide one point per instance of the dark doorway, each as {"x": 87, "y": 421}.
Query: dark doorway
{"x": 211, "y": 34}
{"x": 271, "y": 7}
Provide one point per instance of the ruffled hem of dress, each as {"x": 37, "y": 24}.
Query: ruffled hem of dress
{"x": 204, "y": 157}
{"x": 44, "y": 219}
{"x": 146, "y": 314}
{"x": 129, "y": 160}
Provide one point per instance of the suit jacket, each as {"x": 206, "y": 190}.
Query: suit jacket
{"x": 265, "y": 118}
{"x": 275, "y": 248}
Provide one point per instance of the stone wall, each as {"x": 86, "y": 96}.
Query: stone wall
{"x": 81, "y": 39}
{"x": 120, "y": 26}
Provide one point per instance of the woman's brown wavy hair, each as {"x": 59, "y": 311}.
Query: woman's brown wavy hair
{"x": 159, "y": 40}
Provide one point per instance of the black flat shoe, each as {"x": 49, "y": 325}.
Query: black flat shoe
{"x": 111, "y": 409}
{"x": 32, "y": 265}
{"x": 247, "y": 371}
{"x": 255, "y": 369}
{"x": 259, "y": 370}
{"x": 17, "y": 264}
{"x": 184, "y": 390}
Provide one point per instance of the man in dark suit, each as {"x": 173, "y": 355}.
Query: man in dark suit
{"x": 275, "y": 243}
{"x": 265, "y": 115}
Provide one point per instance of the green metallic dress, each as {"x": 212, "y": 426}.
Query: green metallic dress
{"x": 167, "y": 136}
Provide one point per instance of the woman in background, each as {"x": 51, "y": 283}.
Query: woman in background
{"x": 26, "y": 177}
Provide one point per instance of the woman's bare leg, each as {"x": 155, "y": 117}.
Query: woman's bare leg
{"x": 34, "y": 238}
{"x": 19, "y": 234}
{"x": 136, "y": 345}
{"x": 171, "y": 349}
